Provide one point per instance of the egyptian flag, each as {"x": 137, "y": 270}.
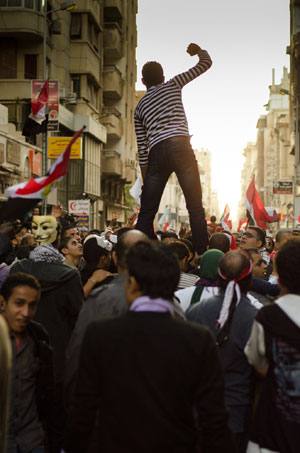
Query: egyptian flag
{"x": 225, "y": 219}
{"x": 24, "y": 196}
{"x": 256, "y": 211}
{"x": 37, "y": 120}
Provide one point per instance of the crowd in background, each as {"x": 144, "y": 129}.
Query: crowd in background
{"x": 117, "y": 343}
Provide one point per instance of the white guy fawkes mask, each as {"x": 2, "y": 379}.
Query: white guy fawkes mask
{"x": 44, "y": 229}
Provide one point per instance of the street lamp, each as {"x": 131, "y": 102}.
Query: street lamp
{"x": 65, "y": 6}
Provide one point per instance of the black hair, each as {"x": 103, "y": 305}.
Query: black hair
{"x": 288, "y": 265}
{"x": 179, "y": 249}
{"x": 261, "y": 234}
{"x": 213, "y": 218}
{"x": 189, "y": 244}
{"x": 64, "y": 243}
{"x": 18, "y": 279}
{"x": 219, "y": 241}
{"x": 155, "y": 269}
{"x": 152, "y": 73}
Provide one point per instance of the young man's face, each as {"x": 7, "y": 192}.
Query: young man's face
{"x": 73, "y": 249}
{"x": 249, "y": 240}
{"x": 259, "y": 266}
{"x": 20, "y": 308}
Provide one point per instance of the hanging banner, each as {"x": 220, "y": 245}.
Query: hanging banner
{"x": 53, "y": 101}
{"x": 81, "y": 210}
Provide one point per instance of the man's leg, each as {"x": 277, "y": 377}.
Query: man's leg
{"x": 154, "y": 184}
{"x": 186, "y": 169}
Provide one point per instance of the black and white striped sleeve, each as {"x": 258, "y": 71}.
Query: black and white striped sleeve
{"x": 142, "y": 142}
{"x": 202, "y": 66}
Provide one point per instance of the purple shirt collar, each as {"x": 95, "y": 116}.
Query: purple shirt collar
{"x": 145, "y": 303}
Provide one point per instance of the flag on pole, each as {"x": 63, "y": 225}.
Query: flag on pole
{"x": 36, "y": 121}
{"x": 256, "y": 211}
{"x": 24, "y": 196}
{"x": 225, "y": 219}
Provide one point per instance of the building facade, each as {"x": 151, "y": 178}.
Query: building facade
{"x": 90, "y": 50}
{"x": 270, "y": 159}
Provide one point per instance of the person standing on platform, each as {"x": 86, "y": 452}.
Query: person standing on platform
{"x": 164, "y": 147}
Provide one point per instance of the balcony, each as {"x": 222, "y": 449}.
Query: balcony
{"x": 113, "y": 123}
{"x": 112, "y": 42}
{"x": 84, "y": 60}
{"x": 11, "y": 89}
{"x": 21, "y": 23}
{"x": 113, "y": 10}
{"x": 111, "y": 163}
{"x": 113, "y": 83}
{"x": 90, "y": 6}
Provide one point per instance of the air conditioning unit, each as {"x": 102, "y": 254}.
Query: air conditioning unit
{"x": 71, "y": 98}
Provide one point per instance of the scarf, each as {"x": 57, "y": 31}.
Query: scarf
{"x": 46, "y": 253}
{"x": 145, "y": 303}
{"x": 232, "y": 288}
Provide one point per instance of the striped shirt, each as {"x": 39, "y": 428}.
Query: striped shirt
{"x": 160, "y": 113}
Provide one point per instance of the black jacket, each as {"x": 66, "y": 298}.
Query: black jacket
{"x": 60, "y": 303}
{"x": 148, "y": 374}
{"x": 45, "y": 388}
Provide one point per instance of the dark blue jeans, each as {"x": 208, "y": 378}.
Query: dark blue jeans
{"x": 173, "y": 155}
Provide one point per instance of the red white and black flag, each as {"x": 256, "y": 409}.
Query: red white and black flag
{"x": 225, "y": 219}
{"x": 37, "y": 120}
{"x": 24, "y": 196}
{"x": 256, "y": 211}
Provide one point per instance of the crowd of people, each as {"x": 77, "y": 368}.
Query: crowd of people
{"x": 114, "y": 342}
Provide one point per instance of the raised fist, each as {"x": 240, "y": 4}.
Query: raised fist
{"x": 193, "y": 49}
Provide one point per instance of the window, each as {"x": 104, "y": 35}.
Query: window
{"x": 93, "y": 34}
{"x": 75, "y": 29}
{"x": 92, "y": 91}
{"x": 8, "y": 59}
{"x": 29, "y": 4}
{"x": 30, "y": 66}
{"x": 76, "y": 88}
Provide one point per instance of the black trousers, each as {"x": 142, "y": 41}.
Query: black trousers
{"x": 174, "y": 155}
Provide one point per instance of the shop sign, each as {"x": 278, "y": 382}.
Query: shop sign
{"x": 283, "y": 187}
{"x": 81, "y": 210}
{"x": 57, "y": 145}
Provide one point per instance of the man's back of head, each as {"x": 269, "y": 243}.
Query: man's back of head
{"x": 219, "y": 241}
{"x": 288, "y": 266}
{"x": 125, "y": 241}
{"x": 236, "y": 266}
{"x": 152, "y": 73}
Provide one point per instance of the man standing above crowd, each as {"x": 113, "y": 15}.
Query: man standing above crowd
{"x": 164, "y": 145}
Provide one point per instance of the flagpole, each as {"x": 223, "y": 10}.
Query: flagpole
{"x": 45, "y": 134}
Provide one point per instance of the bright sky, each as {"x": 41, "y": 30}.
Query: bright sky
{"x": 245, "y": 39}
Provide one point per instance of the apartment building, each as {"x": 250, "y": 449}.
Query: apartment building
{"x": 90, "y": 50}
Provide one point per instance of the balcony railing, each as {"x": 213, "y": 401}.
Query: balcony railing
{"x": 21, "y": 22}
{"x": 113, "y": 83}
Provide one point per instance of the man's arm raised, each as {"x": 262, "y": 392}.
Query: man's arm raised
{"x": 202, "y": 66}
